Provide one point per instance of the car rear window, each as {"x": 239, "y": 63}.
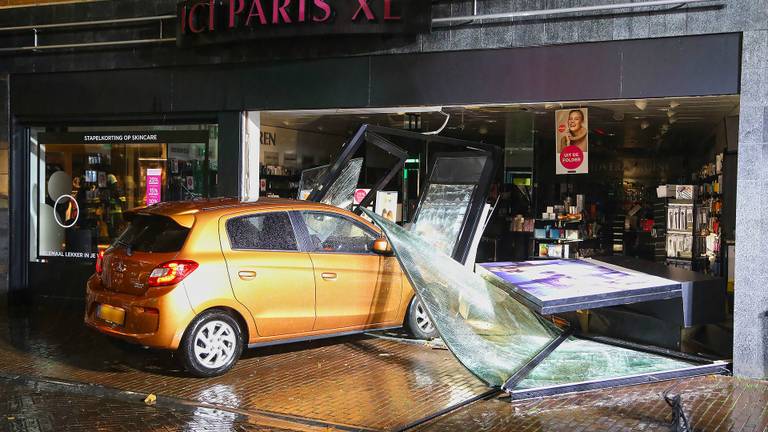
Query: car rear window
{"x": 151, "y": 233}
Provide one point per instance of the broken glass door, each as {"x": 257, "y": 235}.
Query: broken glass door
{"x": 499, "y": 340}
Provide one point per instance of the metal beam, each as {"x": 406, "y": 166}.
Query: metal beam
{"x": 95, "y": 23}
{"x": 88, "y": 45}
{"x": 569, "y": 10}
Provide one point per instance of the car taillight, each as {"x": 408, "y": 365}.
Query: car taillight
{"x": 99, "y": 262}
{"x": 171, "y": 273}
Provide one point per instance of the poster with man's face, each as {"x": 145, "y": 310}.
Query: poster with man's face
{"x": 571, "y": 141}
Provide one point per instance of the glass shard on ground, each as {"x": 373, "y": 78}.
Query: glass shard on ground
{"x": 492, "y": 334}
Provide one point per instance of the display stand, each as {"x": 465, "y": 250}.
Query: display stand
{"x": 553, "y": 238}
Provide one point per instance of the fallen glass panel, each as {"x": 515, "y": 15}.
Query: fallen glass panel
{"x": 442, "y": 213}
{"x": 493, "y": 335}
{"x": 489, "y": 333}
{"x": 579, "y": 360}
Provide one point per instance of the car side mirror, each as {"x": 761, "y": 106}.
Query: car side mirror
{"x": 382, "y": 247}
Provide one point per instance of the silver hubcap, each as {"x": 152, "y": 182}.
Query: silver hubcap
{"x": 422, "y": 319}
{"x": 215, "y": 344}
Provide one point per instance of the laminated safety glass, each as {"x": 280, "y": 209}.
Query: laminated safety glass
{"x": 579, "y": 360}
{"x": 442, "y": 213}
{"x": 342, "y": 191}
{"x": 493, "y": 335}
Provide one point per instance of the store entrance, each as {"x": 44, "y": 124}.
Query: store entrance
{"x": 614, "y": 203}
{"x": 652, "y": 180}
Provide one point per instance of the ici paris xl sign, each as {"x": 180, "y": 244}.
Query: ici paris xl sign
{"x": 215, "y": 21}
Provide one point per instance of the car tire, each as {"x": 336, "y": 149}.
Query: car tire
{"x": 418, "y": 321}
{"x": 211, "y": 345}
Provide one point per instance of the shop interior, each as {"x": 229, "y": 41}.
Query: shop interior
{"x": 660, "y": 186}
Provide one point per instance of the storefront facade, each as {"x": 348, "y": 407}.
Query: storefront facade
{"x": 701, "y": 49}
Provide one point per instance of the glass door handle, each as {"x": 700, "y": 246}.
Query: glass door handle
{"x": 247, "y": 275}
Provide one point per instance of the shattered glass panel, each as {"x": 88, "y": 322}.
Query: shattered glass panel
{"x": 310, "y": 180}
{"x": 492, "y": 335}
{"x": 579, "y": 360}
{"x": 341, "y": 192}
{"x": 442, "y": 213}
{"x": 270, "y": 231}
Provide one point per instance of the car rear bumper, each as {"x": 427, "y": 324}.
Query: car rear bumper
{"x": 157, "y": 319}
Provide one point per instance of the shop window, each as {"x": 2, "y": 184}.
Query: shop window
{"x": 83, "y": 182}
{"x": 331, "y": 233}
{"x": 271, "y": 231}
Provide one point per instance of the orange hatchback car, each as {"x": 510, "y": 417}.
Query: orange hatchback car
{"x": 208, "y": 278}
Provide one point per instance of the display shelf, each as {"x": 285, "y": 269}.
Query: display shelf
{"x": 558, "y": 240}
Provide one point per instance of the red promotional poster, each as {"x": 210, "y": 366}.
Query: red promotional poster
{"x": 154, "y": 185}
{"x": 572, "y": 141}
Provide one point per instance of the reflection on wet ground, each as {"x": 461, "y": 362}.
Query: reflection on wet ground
{"x": 41, "y": 407}
{"x": 360, "y": 381}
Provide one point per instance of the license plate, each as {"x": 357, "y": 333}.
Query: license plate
{"x": 114, "y": 315}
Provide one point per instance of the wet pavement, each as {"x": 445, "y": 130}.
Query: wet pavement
{"x": 362, "y": 383}
{"x": 39, "y": 406}
{"x": 711, "y": 403}
{"x": 55, "y": 374}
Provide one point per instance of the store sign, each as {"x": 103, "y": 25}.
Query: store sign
{"x": 154, "y": 185}
{"x": 218, "y": 21}
{"x": 572, "y": 141}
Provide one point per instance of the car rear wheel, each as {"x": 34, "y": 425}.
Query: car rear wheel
{"x": 419, "y": 323}
{"x": 212, "y": 344}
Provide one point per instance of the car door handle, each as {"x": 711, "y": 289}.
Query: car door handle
{"x": 247, "y": 275}
{"x": 329, "y": 276}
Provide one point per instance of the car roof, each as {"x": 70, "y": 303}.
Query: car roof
{"x": 184, "y": 212}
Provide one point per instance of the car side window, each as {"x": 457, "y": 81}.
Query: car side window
{"x": 333, "y": 233}
{"x": 265, "y": 231}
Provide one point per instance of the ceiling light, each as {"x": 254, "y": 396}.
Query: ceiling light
{"x": 644, "y": 124}
{"x": 674, "y": 104}
{"x": 641, "y": 104}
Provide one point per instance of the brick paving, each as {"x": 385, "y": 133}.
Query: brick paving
{"x": 40, "y": 407}
{"x": 711, "y": 403}
{"x": 358, "y": 382}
